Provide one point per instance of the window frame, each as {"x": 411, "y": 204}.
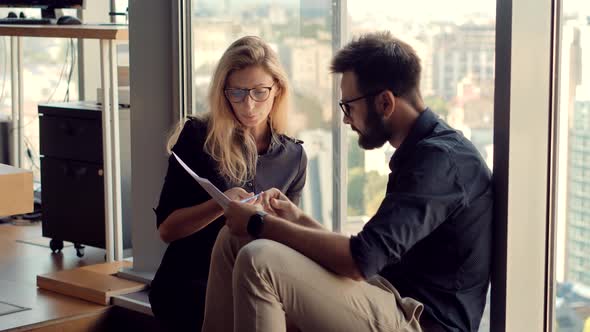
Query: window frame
{"x": 525, "y": 165}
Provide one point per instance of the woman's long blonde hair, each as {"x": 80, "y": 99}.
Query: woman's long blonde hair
{"x": 227, "y": 142}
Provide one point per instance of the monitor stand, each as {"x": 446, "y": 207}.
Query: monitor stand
{"x": 51, "y": 13}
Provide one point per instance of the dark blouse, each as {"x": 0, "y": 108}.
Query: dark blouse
{"x": 283, "y": 166}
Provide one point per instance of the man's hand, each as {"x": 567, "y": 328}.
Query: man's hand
{"x": 237, "y": 216}
{"x": 275, "y": 202}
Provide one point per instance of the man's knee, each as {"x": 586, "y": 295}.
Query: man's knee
{"x": 257, "y": 257}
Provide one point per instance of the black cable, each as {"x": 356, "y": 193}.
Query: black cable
{"x": 61, "y": 75}
{"x": 30, "y": 153}
{"x": 24, "y": 126}
{"x": 72, "y": 66}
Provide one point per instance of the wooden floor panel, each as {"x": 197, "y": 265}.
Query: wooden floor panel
{"x": 20, "y": 264}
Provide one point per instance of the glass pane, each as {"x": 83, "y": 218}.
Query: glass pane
{"x": 300, "y": 32}
{"x": 456, "y": 43}
{"x": 572, "y": 305}
{"x": 121, "y": 7}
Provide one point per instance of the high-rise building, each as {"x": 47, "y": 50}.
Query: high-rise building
{"x": 569, "y": 79}
{"x": 316, "y": 200}
{"x": 577, "y": 266}
{"x": 462, "y": 51}
{"x": 307, "y": 62}
{"x": 578, "y": 226}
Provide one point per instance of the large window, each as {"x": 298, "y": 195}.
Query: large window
{"x": 457, "y": 51}
{"x": 455, "y": 43}
{"x": 572, "y": 274}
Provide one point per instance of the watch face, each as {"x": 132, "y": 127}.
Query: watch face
{"x": 255, "y": 225}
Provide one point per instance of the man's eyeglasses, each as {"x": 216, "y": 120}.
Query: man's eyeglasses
{"x": 236, "y": 95}
{"x": 346, "y": 108}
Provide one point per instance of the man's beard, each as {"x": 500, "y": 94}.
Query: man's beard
{"x": 376, "y": 133}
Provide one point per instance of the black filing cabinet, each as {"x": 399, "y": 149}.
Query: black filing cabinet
{"x": 72, "y": 181}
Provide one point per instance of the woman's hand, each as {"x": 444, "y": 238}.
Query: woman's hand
{"x": 275, "y": 202}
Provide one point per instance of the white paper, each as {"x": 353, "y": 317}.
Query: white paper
{"x": 209, "y": 187}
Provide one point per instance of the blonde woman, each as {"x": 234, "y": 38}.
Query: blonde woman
{"x": 240, "y": 146}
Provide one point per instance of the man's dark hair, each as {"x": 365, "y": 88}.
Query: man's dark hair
{"x": 381, "y": 61}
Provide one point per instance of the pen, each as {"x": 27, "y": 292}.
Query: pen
{"x": 246, "y": 200}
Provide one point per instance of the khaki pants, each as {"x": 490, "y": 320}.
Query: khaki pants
{"x": 254, "y": 286}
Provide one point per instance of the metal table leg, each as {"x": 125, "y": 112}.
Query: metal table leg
{"x": 116, "y": 157}
{"x": 107, "y": 149}
{"x": 16, "y": 53}
{"x": 111, "y": 151}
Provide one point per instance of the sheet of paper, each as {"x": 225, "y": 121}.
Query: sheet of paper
{"x": 209, "y": 187}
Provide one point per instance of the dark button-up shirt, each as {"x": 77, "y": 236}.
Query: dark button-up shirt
{"x": 283, "y": 166}
{"x": 431, "y": 236}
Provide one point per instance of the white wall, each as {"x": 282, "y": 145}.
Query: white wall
{"x": 151, "y": 78}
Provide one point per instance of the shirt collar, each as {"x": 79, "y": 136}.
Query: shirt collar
{"x": 421, "y": 128}
{"x": 275, "y": 141}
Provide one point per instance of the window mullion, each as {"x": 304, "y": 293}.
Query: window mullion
{"x": 339, "y": 141}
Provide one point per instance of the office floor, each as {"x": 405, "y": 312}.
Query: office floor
{"x": 20, "y": 264}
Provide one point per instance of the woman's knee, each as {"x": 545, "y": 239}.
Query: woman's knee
{"x": 225, "y": 240}
{"x": 223, "y": 236}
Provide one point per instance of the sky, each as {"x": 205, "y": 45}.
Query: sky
{"x": 422, "y": 10}
{"x": 443, "y": 10}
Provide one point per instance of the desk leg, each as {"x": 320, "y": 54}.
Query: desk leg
{"x": 116, "y": 155}
{"x": 21, "y": 103}
{"x": 17, "y": 103}
{"x": 107, "y": 149}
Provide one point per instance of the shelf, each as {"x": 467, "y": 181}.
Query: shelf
{"x": 87, "y": 31}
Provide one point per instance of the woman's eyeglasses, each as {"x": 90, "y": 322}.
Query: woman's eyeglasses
{"x": 236, "y": 95}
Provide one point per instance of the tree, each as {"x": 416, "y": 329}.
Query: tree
{"x": 356, "y": 200}
{"x": 437, "y": 105}
{"x": 356, "y": 156}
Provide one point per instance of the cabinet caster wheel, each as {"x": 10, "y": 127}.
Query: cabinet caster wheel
{"x": 79, "y": 249}
{"x": 56, "y": 245}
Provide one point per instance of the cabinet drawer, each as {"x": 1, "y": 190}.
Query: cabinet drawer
{"x": 71, "y": 138}
{"x": 73, "y": 201}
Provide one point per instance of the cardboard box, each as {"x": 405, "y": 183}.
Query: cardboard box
{"x": 16, "y": 191}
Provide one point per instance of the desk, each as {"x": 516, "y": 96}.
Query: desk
{"x": 16, "y": 190}
{"x": 107, "y": 36}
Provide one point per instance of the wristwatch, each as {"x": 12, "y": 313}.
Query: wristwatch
{"x": 256, "y": 224}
